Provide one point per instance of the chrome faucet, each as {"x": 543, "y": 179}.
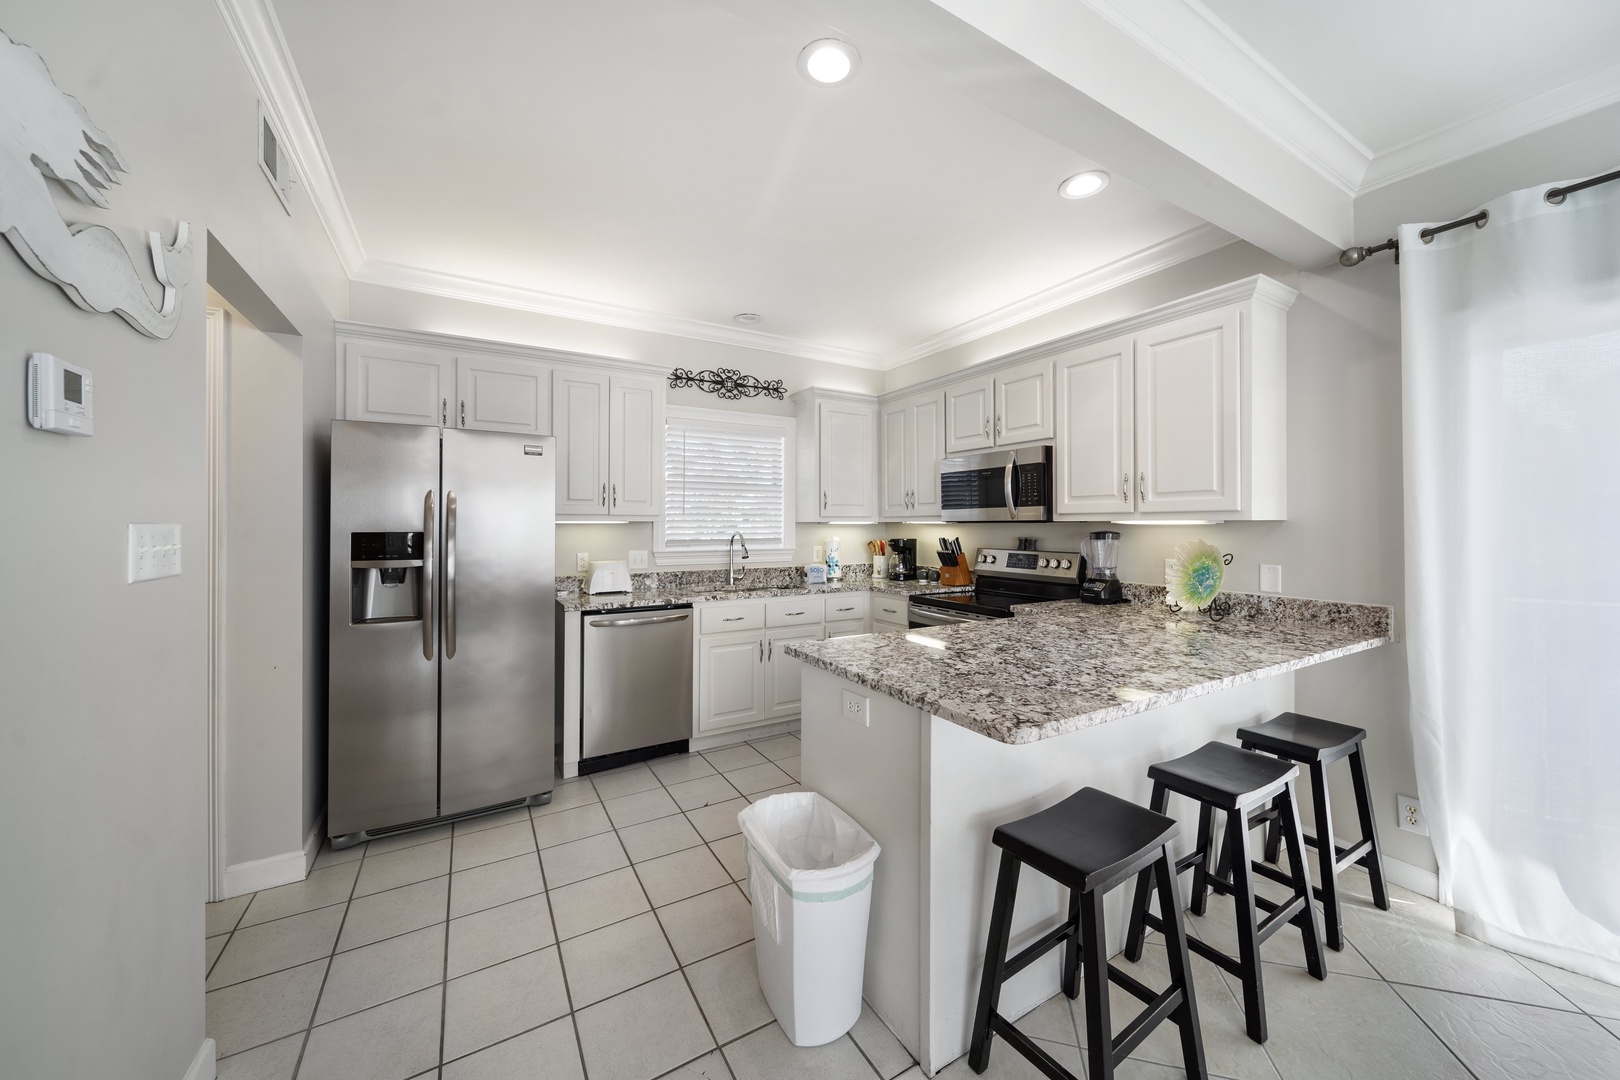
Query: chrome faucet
{"x": 732, "y": 573}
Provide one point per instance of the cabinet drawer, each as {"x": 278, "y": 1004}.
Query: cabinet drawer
{"x": 846, "y": 628}
{"x": 851, "y": 606}
{"x": 797, "y": 611}
{"x": 727, "y": 618}
{"x": 891, "y": 609}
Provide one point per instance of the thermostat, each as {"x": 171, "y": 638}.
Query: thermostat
{"x": 59, "y": 396}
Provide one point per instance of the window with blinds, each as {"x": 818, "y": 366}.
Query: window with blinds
{"x": 722, "y": 476}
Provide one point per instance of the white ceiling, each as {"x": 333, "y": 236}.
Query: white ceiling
{"x": 665, "y": 156}
{"x": 1391, "y": 71}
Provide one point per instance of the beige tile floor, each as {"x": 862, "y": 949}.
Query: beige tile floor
{"x": 605, "y": 937}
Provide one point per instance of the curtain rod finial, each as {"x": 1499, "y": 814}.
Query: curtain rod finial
{"x": 1352, "y": 256}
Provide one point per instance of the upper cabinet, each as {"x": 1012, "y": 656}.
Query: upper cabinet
{"x": 395, "y": 385}
{"x": 1186, "y": 415}
{"x": 635, "y": 446}
{"x": 579, "y": 420}
{"x": 1012, "y": 406}
{"x": 495, "y": 394}
{"x": 913, "y": 434}
{"x": 610, "y": 444}
{"x": 838, "y": 456}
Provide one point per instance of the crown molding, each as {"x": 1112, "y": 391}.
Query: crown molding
{"x": 462, "y": 345}
{"x": 257, "y": 32}
{"x": 458, "y": 287}
{"x": 1199, "y": 240}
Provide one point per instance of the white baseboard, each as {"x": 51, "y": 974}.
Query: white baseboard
{"x": 1412, "y": 877}
{"x": 748, "y": 734}
{"x": 312, "y": 842}
{"x": 202, "y": 1066}
{"x": 243, "y": 878}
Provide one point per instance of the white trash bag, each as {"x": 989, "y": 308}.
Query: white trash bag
{"x": 810, "y": 878}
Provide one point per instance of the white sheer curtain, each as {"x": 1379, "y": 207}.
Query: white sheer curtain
{"x": 1511, "y": 357}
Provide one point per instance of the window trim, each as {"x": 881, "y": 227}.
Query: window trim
{"x": 787, "y": 428}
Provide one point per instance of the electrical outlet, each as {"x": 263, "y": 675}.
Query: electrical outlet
{"x": 857, "y": 708}
{"x": 638, "y": 560}
{"x": 582, "y": 560}
{"x": 1270, "y": 578}
{"x": 1410, "y": 814}
{"x": 154, "y": 552}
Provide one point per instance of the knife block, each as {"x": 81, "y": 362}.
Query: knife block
{"x": 955, "y": 575}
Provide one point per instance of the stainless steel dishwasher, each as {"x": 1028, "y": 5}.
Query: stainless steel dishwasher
{"x": 636, "y": 688}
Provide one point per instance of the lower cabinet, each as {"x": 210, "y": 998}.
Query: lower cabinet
{"x": 890, "y": 613}
{"x": 782, "y": 672}
{"x": 731, "y": 681}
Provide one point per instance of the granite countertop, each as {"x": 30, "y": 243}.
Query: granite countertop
{"x": 698, "y": 594}
{"x": 1079, "y": 665}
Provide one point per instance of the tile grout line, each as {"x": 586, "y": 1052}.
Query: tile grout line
{"x": 309, "y": 1028}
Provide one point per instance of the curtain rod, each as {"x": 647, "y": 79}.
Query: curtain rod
{"x": 1554, "y": 196}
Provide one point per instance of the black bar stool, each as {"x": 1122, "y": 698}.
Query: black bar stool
{"x": 1222, "y": 777}
{"x": 1316, "y": 744}
{"x": 1090, "y": 842}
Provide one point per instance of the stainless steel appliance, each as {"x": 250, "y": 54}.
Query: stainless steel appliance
{"x": 1102, "y": 583}
{"x": 441, "y": 625}
{"x": 1007, "y": 485}
{"x": 1003, "y": 578}
{"x": 636, "y": 685}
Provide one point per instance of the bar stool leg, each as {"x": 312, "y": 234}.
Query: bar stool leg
{"x": 1273, "y": 840}
{"x": 1327, "y": 857}
{"x": 1175, "y": 946}
{"x": 1099, "y": 1027}
{"x": 1306, "y": 919}
{"x": 1248, "y": 932}
{"x": 1374, "y": 859}
{"x": 1071, "y": 950}
{"x": 1137, "y": 932}
{"x": 1206, "y": 844}
{"x": 995, "y": 960}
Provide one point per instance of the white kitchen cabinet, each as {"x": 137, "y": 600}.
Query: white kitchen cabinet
{"x": 1188, "y": 438}
{"x": 848, "y": 628}
{"x": 782, "y": 672}
{"x": 579, "y": 420}
{"x": 970, "y": 412}
{"x": 837, "y": 456}
{"x": 496, "y": 394}
{"x": 396, "y": 385}
{"x": 636, "y": 447}
{"x": 731, "y": 681}
{"x": 1094, "y": 464}
{"x": 890, "y": 612}
{"x": 913, "y": 443}
{"x": 847, "y": 607}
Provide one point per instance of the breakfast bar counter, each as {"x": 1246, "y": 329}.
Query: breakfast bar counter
{"x": 931, "y": 739}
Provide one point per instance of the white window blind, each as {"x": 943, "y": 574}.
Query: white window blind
{"x": 722, "y": 477}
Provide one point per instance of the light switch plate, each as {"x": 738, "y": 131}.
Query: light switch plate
{"x": 154, "y": 552}
{"x": 1270, "y": 578}
{"x": 638, "y": 560}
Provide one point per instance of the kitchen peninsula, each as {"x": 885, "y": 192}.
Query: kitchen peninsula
{"x": 932, "y": 738}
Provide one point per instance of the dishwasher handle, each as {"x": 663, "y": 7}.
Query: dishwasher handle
{"x": 642, "y": 622}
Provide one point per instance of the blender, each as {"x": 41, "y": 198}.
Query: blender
{"x": 1102, "y": 577}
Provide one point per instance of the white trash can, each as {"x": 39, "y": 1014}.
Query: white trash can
{"x": 810, "y": 878}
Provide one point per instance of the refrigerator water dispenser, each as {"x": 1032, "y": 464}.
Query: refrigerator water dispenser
{"x": 385, "y": 575}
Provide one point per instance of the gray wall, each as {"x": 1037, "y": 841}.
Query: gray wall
{"x": 102, "y": 781}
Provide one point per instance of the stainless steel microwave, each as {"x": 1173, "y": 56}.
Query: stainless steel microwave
{"x": 1006, "y": 485}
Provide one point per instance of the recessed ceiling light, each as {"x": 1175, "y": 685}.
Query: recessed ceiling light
{"x": 1080, "y": 185}
{"x": 746, "y": 317}
{"x": 829, "y": 62}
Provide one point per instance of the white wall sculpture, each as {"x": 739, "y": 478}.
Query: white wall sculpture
{"x": 46, "y": 133}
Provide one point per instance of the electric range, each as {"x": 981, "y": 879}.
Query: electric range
{"x": 1003, "y": 578}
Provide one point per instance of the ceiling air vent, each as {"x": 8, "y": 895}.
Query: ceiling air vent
{"x": 273, "y": 160}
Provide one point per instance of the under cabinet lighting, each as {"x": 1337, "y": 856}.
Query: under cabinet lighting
{"x": 593, "y": 521}
{"x": 1177, "y": 521}
{"x": 852, "y": 523}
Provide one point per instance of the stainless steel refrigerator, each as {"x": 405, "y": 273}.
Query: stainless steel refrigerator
{"x": 442, "y": 621}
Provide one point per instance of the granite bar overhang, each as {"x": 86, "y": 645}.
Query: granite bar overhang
{"x": 1061, "y": 666}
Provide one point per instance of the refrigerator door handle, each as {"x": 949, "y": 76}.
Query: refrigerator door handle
{"x": 429, "y": 527}
{"x": 449, "y": 575}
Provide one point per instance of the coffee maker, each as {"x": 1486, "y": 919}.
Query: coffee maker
{"x": 904, "y": 564}
{"x": 1101, "y": 585}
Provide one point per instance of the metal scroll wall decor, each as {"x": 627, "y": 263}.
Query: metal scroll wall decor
{"x": 47, "y": 133}
{"x": 727, "y": 383}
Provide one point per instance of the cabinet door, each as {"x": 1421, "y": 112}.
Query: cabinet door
{"x": 1024, "y": 404}
{"x": 493, "y": 394}
{"x": 579, "y": 420}
{"x": 731, "y": 681}
{"x": 396, "y": 386}
{"x": 1093, "y": 474}
{"x": 1188, "y": 438}
{"x": 927, "y": 440}
{"x": 782, "y": 672}
{"x": 970, "y": 415}
{"x": 636, "y": 427}
{"x": 848, "y": 465}
{"x": 895, "y": 462}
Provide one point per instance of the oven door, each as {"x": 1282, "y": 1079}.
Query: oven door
{"x": 1008, "y": 485}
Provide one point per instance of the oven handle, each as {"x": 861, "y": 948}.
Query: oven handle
{"x": 1007, "y": 481}
{"x": 924, "y": 615}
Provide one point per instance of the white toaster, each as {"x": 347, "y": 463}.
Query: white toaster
{"x": 608, "y": 576}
